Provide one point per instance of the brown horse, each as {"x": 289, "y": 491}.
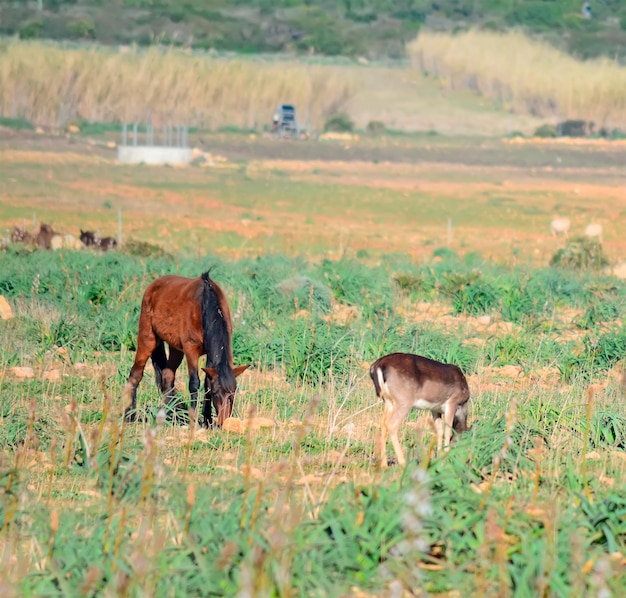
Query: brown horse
{"x": 44, "y": 236}
{"x": 192, "y": 316}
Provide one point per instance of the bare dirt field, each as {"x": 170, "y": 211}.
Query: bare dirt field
{"x": 250, "y": 194}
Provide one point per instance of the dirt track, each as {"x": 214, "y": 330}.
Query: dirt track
{"x": 418, "y": 149}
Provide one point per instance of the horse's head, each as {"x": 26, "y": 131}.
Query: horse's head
{"x": 222, "y": 389}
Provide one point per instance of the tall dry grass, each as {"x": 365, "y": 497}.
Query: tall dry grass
{"x": 526, "y": 74}
{"x": 51, "y": 85}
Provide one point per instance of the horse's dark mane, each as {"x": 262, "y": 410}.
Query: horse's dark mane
{"x": 216, "y": 335}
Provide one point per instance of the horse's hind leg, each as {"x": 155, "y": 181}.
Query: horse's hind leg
{"x": 169, "y": 374}
{"x": 146, "y": 345}
{"x": 159, "y": 361}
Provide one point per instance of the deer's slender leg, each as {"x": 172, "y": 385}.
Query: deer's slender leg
{"x": 450, "y": 409}
{"x": 438, "y": 430}
{"x": 387, "y": 410}
{"x": 397, "y": 415}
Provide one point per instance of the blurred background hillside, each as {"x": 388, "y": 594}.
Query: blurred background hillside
{"x": 372, "y": 29}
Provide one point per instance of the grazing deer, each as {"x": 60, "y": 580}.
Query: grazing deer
{"x": 405, "y": 381}
{"x": 559, "y": 226}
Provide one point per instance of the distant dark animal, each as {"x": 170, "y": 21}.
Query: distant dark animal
{"x": 21, "y": 235}
{"x": 107, "y": 243}
{"x": 405, "y": 381}
{"x": 90, "y": 239}
{"x": 575, "y": 128}
{"x": 87, "y": 238}
{"x": 192, "y": 316}
{"x": 44, "y": 236}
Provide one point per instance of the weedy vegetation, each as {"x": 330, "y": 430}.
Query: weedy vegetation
{"x": 528, "y": 502}
{"x": 100, "y": 85}
{"x": 547, "y": 82}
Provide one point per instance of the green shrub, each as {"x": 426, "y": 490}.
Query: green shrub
{"x": 511, "y": 350}
{"x": 310, "y": 351}
{"x": 475, "y": 299}
{"x": 31, "y": 30}
{"x": 304, "y": 293}
{"x": 411, "y": 282}
{"x": 599, "y": 353}
{"x": 597, "y": 313}
{"x": 453, "y": 282}
{"x": 445, "y": 253}
{"x": 339, "y": 123}
{"x": 138, "y": 248}
{"x": 376, "y": 127}
{"x": 15, "y": 123}
{"x": 608, "y": 429}
{"x": 82, "y": 29}
{"x": 516, "y": 301}
{"x": 545, "y": 131}
{"x": 580, "y": 253}
{"x": 536, "y": 15}
{"x": 354, "y": 283}
{"x": 606, "y": 519}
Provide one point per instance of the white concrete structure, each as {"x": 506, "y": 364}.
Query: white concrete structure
{"x": 153, "y": 154}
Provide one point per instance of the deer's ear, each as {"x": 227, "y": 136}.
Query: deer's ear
{"x": 240, "y": 369}
{"x": 211, "y": 373}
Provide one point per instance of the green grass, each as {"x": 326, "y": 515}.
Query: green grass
{"x": 15, "y": 123}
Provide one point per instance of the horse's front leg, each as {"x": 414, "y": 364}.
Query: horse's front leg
{"x": 146, "y": 343}
{"x": 194, "y": 379}
{"x": 207, "y": 406}
{"x": 194, "y": 385}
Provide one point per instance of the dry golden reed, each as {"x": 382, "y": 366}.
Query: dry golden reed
{"x": 527, "y": 75}
{"x": 53, "y": 86}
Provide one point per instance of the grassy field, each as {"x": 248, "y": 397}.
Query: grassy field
{"x": 100, "y": 85}
{"x": 332, "y": 253}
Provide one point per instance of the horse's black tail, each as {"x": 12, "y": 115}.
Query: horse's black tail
{"x": 215, "y": 334}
